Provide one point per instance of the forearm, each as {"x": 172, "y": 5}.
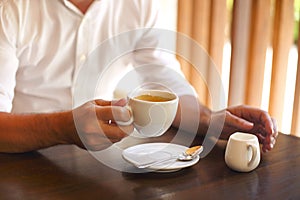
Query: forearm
{"x": 27, "y": 132}
{"x": 192, "y": 115}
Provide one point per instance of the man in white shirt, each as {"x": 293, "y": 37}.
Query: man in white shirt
{"x": 43, "y": 46}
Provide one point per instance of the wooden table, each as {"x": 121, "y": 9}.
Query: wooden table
{"x": 67, "y": 172}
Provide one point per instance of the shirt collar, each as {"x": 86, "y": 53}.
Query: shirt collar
{"x": 71, "y": 6}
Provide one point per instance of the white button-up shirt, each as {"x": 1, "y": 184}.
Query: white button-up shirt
{"x": 44, "y": 44}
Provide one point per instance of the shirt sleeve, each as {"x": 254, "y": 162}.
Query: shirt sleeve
{"x": 8, "y": 58}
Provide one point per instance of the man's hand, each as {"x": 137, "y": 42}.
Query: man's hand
{"x": 95, "y": 124}
{"x": 251, "y": 120}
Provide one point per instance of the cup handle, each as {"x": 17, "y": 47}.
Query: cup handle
{"x": 121, "y": 123}
{"x": 254, "y": 154}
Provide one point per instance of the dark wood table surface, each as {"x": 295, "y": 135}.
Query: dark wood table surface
{"x": 67, "y": 172}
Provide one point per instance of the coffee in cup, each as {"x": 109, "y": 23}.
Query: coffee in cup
{"x": 148, "y": 97}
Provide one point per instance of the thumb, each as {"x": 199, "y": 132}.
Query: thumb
{"x": 101, "y": 102}
{"x": 120, "y": 102}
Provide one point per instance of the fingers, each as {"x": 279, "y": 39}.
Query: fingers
{"x": 120, "y": 102}
{"x": 268, "y": 124}
{"x": 112, "y": 111}
{"x": 114, "y": 131}
{"x": 104, "y": 135}
{"x": 265, "y": 127}
{"x": 95, "y": 123}
{"x": 254, "y": 115}
{"x": 97, "y": 141}
{"x": 270, "y": 139}
{"x": 259, "y": 116}
{"x": 237, "y": 122}
{"x": 275, "y": 129}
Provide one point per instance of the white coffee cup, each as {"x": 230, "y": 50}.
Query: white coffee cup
{"x": 242, "y": 152}
{"x": 152, "y": 118}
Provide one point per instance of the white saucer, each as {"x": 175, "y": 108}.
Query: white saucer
{"x": 144, "y": 153}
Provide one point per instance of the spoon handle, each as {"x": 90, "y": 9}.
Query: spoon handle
{"x": 187, "y": 155}
{"x": 156, "y": 162}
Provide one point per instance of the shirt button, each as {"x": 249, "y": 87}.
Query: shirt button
{"x": 82, "y": 57}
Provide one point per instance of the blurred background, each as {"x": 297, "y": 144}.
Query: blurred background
{"x": 254, "y": 45}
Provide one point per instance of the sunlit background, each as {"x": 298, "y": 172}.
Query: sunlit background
{"x": 169, "y": 21}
